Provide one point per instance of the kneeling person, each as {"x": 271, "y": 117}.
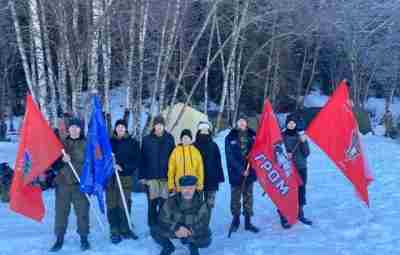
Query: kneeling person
{"x": 184, "y": 216}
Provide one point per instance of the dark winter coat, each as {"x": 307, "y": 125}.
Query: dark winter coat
{"x": 127, "y": 154}
{"x": 299, "y": 149}
{"x": 155, "y": 156}
{"x": 213, "y": 172}
{"x": 194, "y": 215}
{"x": 235, "y": 160}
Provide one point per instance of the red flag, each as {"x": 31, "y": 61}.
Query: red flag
{"x": 38, "y": 149}
{"x": 275, "y": 172}
{"x": 335, "y": 131}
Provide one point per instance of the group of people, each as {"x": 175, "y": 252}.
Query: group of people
{"x": 181, "y": 182}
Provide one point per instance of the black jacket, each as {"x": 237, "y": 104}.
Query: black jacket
{"x": 299, "y": 150}
{"x": 213, "y": 172}
{"x": 237, "y": 163}
{"x": 127, "y": 154}
{"x": 155, "y": 156}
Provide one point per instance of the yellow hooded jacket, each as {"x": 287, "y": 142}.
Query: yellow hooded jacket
{"x": 185, "y": 160}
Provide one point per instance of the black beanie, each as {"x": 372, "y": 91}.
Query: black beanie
{"x": 75, "y": 122}
{"x": 291, "y": 117}
{"x": 159, "y": 120}
{"x": 121, "y": 122}
{"x": 186, "y": 132}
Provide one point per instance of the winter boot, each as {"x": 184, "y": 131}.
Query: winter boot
{"x": 85, "y": 245}
{"x": 303, "y": 219}
{"x": 248, "y": 226}
{"x": 168, "y": 248}
{"x": 115, "y": 238}
{"x": 58, "y": 244}
{"x": 130, "y": 235}
{"x": 193, "y": 249}
{"x": 235, "y": 223}
{"x": 285, "y": 224}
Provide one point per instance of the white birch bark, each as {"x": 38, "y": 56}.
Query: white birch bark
{"x": 36, "y": 33}
{"x": 21, "y": 49}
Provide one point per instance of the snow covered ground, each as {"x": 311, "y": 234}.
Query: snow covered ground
{"x": 342, "y": 224}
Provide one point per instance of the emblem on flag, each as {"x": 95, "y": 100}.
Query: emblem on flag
{"x": 282, "y": 158}
{"x": 354, "y": 149}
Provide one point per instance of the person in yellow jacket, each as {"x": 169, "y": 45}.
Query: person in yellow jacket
{"x": 185, "y": 160}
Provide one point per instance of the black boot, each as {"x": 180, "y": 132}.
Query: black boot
{"x": 152, "y": 212}
{"x": 248, "y": 226}
{"x": 193, "y": 249}
{"x": 285, "y": 224}
{"x": 167, "y": 248}
{"x": 235, "y": 223}
{"x": 115, "y": 238}
{"x": 130, "y": 235}
{"x": 303, "y": 219}
{"x": 85, "y": 245}
{"x": 58, "y": 244}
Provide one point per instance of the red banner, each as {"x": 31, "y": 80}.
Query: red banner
{"x": 38, "y": 149}
{"x": 275, "y": 172}
{"x": 335, "y": 131}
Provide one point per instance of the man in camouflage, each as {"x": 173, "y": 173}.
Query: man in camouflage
{"x": 184, "y": 216}
{"x": 67, "y": 189}
{"x": 241, "y": 178}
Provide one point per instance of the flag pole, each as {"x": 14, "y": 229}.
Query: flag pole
{"x": 86, "y": 195}
{"x": 124, "y": 201}
{"x": 121, "y": 191}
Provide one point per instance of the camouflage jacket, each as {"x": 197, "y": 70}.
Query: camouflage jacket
{"x": 76, "y": 149}
{"x": 194, "y": 215}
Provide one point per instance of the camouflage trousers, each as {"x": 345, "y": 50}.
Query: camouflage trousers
{"x": 67, "y": 195}
{"x": 115, "y": 208}
{"x": 157, "y": 194}
{"x": 239, "y": 192}
{"x": 162, "y": 238}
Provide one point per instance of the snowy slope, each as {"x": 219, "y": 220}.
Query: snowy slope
{"x": 342, "y": 224}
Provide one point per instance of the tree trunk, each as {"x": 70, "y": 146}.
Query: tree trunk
{"x": 21, "y": 48}
{"x": 39, "y": 56}
{"x": 50, "y": 67}
{"x": 210, "y": 44}
{"x": 172, "y": 40}
{"x": 106, "y": 51}
{"x": 239, "y": 20}
{"x": 94, "y": 69}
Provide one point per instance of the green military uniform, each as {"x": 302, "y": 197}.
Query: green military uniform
{"x": 244, "y": 190}
{"x": 176, "y": 212}
{"x": 115, "y": 212}
{"x": 68, "y": 192}
{"x": 237, "y": 192}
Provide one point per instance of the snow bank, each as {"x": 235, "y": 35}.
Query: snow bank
{"x": 315, "y": 99}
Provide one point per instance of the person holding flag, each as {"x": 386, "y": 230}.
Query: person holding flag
{"x": 241, "y": 178}
{"x": 298, "y": 150}
{"x": 67, "y": 188}
{"x": 126, "y": 152}
{"x": 275, "y": 171}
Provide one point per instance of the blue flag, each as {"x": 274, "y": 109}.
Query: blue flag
{"x": 98, "y": 164}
